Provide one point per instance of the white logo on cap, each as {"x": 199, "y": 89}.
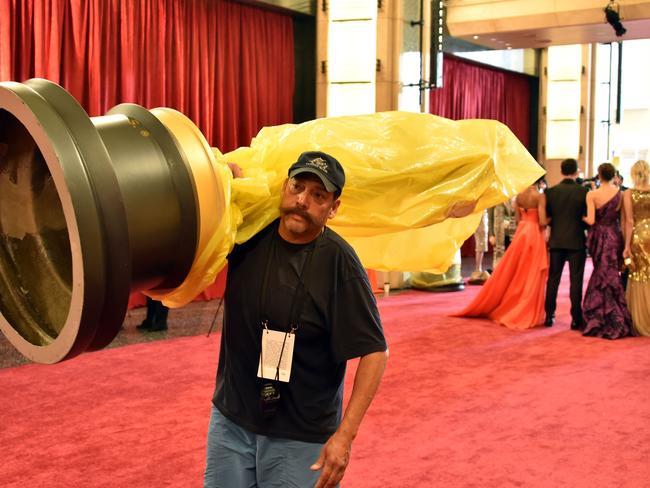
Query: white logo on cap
{"x": 319, "y": 163}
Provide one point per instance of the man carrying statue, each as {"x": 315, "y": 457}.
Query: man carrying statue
{"x": 298, "y": 306}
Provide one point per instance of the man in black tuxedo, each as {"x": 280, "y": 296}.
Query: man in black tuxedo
{"x": 565, "y": 206}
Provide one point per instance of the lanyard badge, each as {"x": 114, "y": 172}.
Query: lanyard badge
{"x": 276, "y": 351}
{"x": 276, "y": 354}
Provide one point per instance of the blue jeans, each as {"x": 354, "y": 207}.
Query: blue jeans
{"x": 238, "y": 458}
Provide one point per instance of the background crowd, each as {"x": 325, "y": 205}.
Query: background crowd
{"x": 542, "y": 229}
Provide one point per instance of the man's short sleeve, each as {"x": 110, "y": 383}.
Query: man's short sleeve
{"x": 356, "y": 327}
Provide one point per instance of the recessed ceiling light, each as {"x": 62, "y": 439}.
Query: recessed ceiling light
{"x": 474, "y": 37}
{"x": 509, "y": 47}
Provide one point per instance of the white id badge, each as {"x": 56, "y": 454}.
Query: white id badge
{"x": 272, "y": 347}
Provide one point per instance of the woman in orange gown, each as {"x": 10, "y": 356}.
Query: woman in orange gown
{"x": 514, "y": 295}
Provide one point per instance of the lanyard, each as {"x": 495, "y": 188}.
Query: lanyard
{"x": 297, "y": 301}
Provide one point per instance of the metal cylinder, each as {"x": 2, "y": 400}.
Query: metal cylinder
{"x": 90, "y": 210}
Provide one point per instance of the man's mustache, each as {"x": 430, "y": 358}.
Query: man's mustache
{"x": 297, "y": 211}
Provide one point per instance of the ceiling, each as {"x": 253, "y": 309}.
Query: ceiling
{"x": 544, "y": 37}
{"x": 503, "y": 24}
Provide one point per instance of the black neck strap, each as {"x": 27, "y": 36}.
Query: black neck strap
{"x": 302, "y": 289}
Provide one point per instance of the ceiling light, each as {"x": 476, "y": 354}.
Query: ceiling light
{"x": 613, "y": 18}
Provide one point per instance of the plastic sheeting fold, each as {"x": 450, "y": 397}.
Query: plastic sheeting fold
{"x": 405, "y": 175}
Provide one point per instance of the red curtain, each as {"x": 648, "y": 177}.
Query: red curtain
{"x": 229, "y": 67}
{"x": 476, "y": 91}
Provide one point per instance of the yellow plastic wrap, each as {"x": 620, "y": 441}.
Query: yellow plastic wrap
{"x": 406, "y": 173}
{"x": 211, "y": 253}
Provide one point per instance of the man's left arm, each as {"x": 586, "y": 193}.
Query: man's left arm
{"x": 335, "y": 455}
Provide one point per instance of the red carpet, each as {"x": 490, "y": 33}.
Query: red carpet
{"x": 464, "y": 403}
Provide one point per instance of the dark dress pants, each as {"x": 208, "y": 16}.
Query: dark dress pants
{"x": 156, "y": 312}
{"x": 576, "y": 259}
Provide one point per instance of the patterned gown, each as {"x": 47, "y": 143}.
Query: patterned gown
{"x": 638, "y": 285}
{"x": 604, "y": 307}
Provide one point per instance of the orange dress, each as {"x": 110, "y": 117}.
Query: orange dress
{"x": 514, "y": 294}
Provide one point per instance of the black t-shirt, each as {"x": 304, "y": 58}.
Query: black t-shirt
{"x": 339, "y": 321}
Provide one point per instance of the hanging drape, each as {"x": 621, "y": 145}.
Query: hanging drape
{"x": 229, "y": 67}
{"x": 476, "y": 91}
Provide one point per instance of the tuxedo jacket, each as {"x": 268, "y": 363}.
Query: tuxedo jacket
{"x": 566, "y": 205}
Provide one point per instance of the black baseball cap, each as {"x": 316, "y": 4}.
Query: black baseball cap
{"x": 326, "y": 167}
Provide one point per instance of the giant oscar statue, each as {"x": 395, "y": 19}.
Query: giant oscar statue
{"x": 92, "y": 209}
